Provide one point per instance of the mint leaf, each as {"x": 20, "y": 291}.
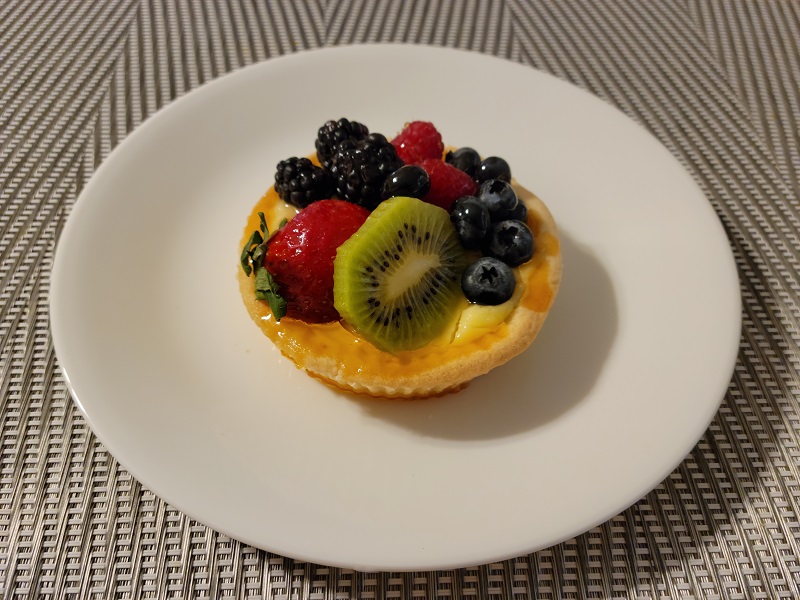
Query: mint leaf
{"x": 267, "y": 289}
{"x": 247, "y": 252}
{"x": 257, "y": 256}
{"x": 253, "y": 253}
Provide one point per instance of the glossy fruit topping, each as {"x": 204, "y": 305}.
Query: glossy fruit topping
{"x": 464, "y": 159}
{"x": 488, "y": 281}
{"x": 332, "y": 134}
{"x": 396, "y": 280}
{"x": 360, "y": 168}
{"x": 520, "y": 213}
{"x": 470, "y": 217}
{"x": 510, "y": 241}
{"x": 492, "y": 167}
{"x": 393, "y": 276}
{"x": 448, "y": 184}
{"x": 299, "y": 182}
{"x": 417, "y": 141}
{"x": 499, "y": 198}
{"x": 408, "y": 180}
{"x": 300, "y": 257}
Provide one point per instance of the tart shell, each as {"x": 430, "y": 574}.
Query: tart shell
{"x": 336, "y": 356}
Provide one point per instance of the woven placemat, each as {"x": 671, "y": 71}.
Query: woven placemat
{"x": 716, "y": 81}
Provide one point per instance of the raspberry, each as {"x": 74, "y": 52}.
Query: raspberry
{"x": 418, "y": 140}
{"x": 360, "y": 168}
{"x": 448, "y": 183}
{"x": 331, "y": 135}
{"x": 299, "y": 182}
{"x": 300, "y": 257}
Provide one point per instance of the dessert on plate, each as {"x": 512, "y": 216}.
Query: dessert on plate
{"x": 398, "y": 268}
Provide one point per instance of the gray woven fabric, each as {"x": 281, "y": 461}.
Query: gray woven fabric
{"x": 718, "y": 82}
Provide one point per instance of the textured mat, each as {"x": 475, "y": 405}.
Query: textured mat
{"x": 718, "y": 82}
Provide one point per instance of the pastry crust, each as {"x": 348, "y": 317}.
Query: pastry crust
{"x": 335, "y": 356}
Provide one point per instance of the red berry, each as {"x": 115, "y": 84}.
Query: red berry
{"x": 418, "y": 140}
{"x": 448, "y": 183}
{"x": 300, "y": 257}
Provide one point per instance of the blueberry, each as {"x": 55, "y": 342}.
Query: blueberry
{"x": 500, "y": 198}
{"x": 510, "y": 241}
{"x": 488, "y": 281}
{"x": 465, "y": 159}
{"x": 520, "y": 213}
{"x": 470, "y": 217}
{"x": 492, "y": 167}
{"x": 408, "y": 180}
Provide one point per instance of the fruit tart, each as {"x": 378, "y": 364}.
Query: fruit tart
{"x": 398, "y": 268}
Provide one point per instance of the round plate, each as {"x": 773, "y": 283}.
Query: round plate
{"x": 190, "y": 397}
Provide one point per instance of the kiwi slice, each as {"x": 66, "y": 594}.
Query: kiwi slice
{"x": 396, "y": 281}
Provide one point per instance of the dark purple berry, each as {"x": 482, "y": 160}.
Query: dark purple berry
{"x": 299, "y": 182}
{"x": 332, "y": 134}
{"x": 492, "y": 167}
{"x": 471, "y": 221}
{"x": 408, "y": 180}
{"x": 360, "y": 168}
{"x": 520, "y": 213}
{"x": 488, "y": 281}
{"x": 510, "y": 241}
{"x": 500, "y": 198}
{"x": 464, "y": 159}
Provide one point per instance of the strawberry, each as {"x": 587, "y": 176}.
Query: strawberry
{"x": 300, "y": 257}
{"x": 417, "y": 141}
{"x": 448, "y": 183}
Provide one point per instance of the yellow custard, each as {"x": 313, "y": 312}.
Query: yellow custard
{"x": 352, "y": 358}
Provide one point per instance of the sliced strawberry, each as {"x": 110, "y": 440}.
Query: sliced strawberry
{"x": 417, "y": 141}
{"x": 448, "y": 183}
{"x": 300, "y": 257}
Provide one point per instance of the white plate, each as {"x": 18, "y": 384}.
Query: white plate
{"x": 187, "y": 394}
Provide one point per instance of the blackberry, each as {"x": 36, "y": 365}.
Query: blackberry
{"x": 300, "y": 182}
{"x": 331, "y": 135}
{"x": 360, "y": 168}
